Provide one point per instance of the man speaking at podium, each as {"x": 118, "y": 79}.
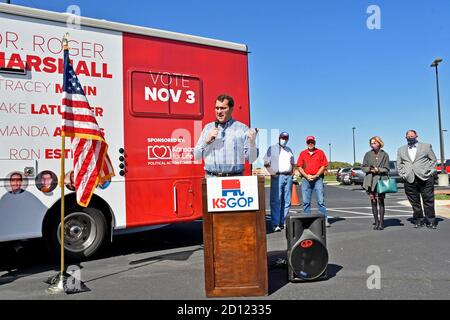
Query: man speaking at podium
{"x": 226, "y": 144}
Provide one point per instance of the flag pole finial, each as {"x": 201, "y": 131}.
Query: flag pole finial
{"x": 66, "y": 41}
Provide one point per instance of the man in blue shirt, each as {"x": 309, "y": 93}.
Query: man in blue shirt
{"x": 226, "y": 144}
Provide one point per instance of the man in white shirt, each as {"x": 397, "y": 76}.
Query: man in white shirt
{"x": 279, "y": 161}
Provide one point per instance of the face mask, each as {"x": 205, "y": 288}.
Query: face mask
{"x": 283, "y": 142}
{"x": 411, "y": 141}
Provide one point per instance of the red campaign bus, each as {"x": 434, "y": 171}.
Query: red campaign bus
{"x": 152, "y": 92}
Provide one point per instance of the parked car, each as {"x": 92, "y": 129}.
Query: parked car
{"x": 439, "y": 170}
{"x": 393, "y": 172}
{"x": 347, "y": 178}
{"x": 357, "y": 175}
{"x": 447, "y": 167}
{"x": 341, "y": 172}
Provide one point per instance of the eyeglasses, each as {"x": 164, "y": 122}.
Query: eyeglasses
{"x": 284, "y": 138}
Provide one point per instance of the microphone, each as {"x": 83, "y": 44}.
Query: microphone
{"x": 216, "y": 124}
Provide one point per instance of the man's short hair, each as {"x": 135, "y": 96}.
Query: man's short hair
{"x": 223, "y": 97}
{"x": 16, "y": 174}
{"x": 46, "y": 172}
{"x": 413, "y": 131}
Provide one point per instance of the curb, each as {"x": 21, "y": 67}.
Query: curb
{"x": 442, "y": 191}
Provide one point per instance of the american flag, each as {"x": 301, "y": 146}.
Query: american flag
{"x": 91, "y": 162}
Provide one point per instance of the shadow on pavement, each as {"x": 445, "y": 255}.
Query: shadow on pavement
{"x": 392, "y": 223}
{"x": 169, "y": 237}
{"x": 413, "y": 221}
{"x": 278, "y": 275}
{"x": 176, "y": 256}
{"x": 335, "y": 219}
{"x": 277, "y": 269}
{"x": 332, "y": 271}
{"x": 22, "y": 260}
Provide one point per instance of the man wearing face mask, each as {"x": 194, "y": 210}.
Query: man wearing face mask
{"x": 417, "y": 165}
{"x": 279, "y": 161}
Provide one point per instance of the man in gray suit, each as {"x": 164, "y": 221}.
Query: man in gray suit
{"x": 417, "y": 165}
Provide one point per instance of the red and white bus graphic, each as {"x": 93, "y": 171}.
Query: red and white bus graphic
{"x": 153, "y": 92}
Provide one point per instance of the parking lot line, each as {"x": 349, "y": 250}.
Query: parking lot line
{"x": 388, "y": 209}
{"x": 371, "y": 217}
{"x": 348, "y": 211}
{"x": 396, "y": 210}
{"x": 345, "y": 208}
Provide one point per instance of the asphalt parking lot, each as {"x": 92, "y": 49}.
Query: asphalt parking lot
{"x": 168, "y": 263}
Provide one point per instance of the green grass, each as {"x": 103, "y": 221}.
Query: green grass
{"x": 326, "y": 179}
{"x": 330, "y": 178}
{"x": 442, "y": 197}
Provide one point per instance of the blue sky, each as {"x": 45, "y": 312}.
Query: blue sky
{"x": 315, "y": 67}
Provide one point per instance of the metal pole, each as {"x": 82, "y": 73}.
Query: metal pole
{"x": 63, "y": 158}
{"x": 329, "y": 161}
{"x": 354, "y": 152}
{"x": 441, "y": 136}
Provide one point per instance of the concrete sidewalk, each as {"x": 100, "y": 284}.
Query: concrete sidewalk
{"x": 442, "y": 207}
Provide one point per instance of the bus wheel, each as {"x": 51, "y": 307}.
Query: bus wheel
{"x": 85, "y": 231}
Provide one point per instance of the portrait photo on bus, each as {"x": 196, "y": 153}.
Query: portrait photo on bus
{"x": 69, "y": 180}
{"x": 46, "y": 181}
{"x": 16, "y": 183}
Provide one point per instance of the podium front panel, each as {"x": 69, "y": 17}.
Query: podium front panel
{"x": 235, "y": 250}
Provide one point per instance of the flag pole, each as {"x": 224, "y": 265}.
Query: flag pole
{"x": 57, "y": 283}
{"x": 63, "y": 170}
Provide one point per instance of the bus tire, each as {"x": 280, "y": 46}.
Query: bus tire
{"x": 84, "y": 235}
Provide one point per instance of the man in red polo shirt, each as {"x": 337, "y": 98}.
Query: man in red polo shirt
{"x": 311, "y": 165}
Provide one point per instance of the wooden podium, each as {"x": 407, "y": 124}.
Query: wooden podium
{"x": 235, "y": 250}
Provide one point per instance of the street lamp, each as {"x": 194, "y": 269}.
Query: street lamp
{"x": 443, "y": 180}
{"x": 329, "y": 161}
{"x": 354, "y": 152}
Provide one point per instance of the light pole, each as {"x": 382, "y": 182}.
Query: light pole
{"x": 354, "y": 152}
{"x": 329, "y": 161}
{"x": 443, "y": 180}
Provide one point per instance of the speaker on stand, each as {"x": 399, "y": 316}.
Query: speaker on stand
{"x": 307, "y": 254}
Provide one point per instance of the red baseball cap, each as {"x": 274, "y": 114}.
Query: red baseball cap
{"x": 308, "y": 138}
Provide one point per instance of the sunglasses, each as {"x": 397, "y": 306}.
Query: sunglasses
{"x": 310, "y": 142}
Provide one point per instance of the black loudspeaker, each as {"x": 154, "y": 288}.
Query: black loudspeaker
{"x": 307, "y": 254}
